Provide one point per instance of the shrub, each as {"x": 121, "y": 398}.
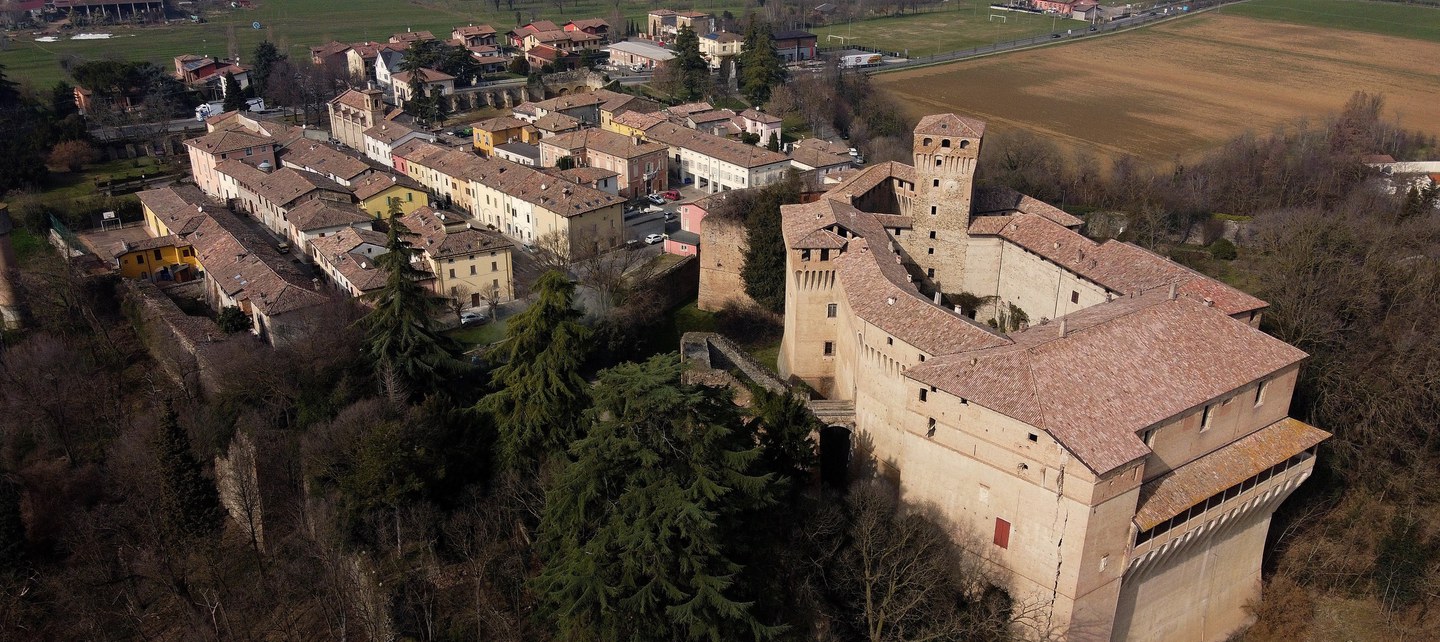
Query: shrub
{"x": 233, "y": 319}
{"x": 72, "y": 155}
{"x": 1223, "y": 250}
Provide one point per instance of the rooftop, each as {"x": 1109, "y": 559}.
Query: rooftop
{"x": 723, "y": 149}
{"x": 429, "y": 227}
{"x": 342, "y": 250}
{"x": 378, "y": 182}
{"x": 605, "y": 142}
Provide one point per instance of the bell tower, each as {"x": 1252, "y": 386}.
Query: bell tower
{"x": 946, "y": 147}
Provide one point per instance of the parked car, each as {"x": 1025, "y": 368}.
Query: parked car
{"x": 653, "y": 239}
{"x": 669, "y": 216}
{"x": 472, "y": 318}
{"x": 656, "y": 199}
{"x": 672, "y": 195}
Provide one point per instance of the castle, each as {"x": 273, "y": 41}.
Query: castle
{"x": 1108, "y": 427}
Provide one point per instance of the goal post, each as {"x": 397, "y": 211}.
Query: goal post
{"x": 1003, "y": 18}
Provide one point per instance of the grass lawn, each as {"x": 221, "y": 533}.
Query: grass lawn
{"x": 689, "y": 318}
{"x": 1385, "y": 18}
{"x": 296, "y": 25}
{"x": 479, "y": 335}
{"x": 956, "y": 25}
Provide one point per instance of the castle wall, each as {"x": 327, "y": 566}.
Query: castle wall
{"x": 721, "y": 261}
{"x": 1042, "y": 289}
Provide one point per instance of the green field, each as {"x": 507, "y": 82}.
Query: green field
{"x": 1385, "y": 18}
{"x": 296, "y": 25}
{"x": 957, "y": 25}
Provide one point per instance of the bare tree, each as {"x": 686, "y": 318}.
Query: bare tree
{"x": 458, "y": 300}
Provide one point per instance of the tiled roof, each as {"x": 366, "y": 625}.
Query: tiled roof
{"x": 643, "y": 48}
{"x": 281, "y": 187}
{"x": 329, "y": 49}
{"x": 322, "y": 158}
{"x": 318, "y": 214}
{"x": 586, "y": 175}
{"x": 377, "y": 183}
{"x": 412, "y": 36}
{"x": 950, "y": 125}
{"x": 426, "y": 75}
{"x": 586, "y": 23}
{"x": 148, "y": 243}
{"x": 616, "y": 102}
{"x": 724, "y": 149}
{"x": 1115, "y": 265}
{"x": 180, "y": 207}
{"x": 228, "y": 140}
{"x": 556, "y": 122}
{"x": 710, "y": 116}
{"x": 428, "y": 226}
{"x": 561, "y": 197}
{"x": 605, "y": 142}
{"x": 1003, "y": 200}
{"x": 340, "y": 251}
{"x": 867, "y": 179}
{"x": 1121, "y": 367}
{"x": 390, "y": 131}
{"x": 792, "y": 34}
{"x": 520, "y": 149}
{"x": 817, "y": 153}
{"x": 760, "y": 116}
{"x": 572, "y": 101}
{"x": 500, "y": 123}
{"x": 474, "y": 30}
{"x": 417, "y": 150}
{"x": 638, "y": 120}
{"x": 245, "y": 265}
{"x": 685, "y": 109}
{"x": 1166, "y": 496}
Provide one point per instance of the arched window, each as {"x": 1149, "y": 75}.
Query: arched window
{"x": 964, "y": 144}
{"x": 945, "y": 142}
{"x": 927, "y": 142}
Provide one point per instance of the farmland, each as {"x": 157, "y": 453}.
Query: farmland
{"x": 1383, "y": 18}
{"x": 1182, "y": 87}
{"x": 953, "y": 27}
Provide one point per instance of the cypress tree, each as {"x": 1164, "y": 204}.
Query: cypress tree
{"x": 190, "y": 499}
{"x": 12, "y": 526}
{"x": 764, "y": 270}
{"x": 234, "y": 98}
{"x": 760, "y": 66}
{"x": 400, "y": 331}
{"x": 540, "y": 394}
{"x": 638, "y": 532}
{"x": 694, "y": 71}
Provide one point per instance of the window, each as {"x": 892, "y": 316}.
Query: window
{"x": 930, "y": 427}
{"x": 924, "y": 394}
{"x": 158, "y": 255}
{"x": 829, "y": 348}
{"x": 930, "y": 272}
{"x": 472, "y": 270}
{"x": 937, "y": 162}
{"x": 452, "y": 273}
{"x": 932, "y": 234}
{"x": 937, "y": 182}
{"x": 928, "y": 142}
{"x": 139, "y": 258}
{"x": 495, "y": 283}
{"x": 964, "y": 144}
{"x": 1002, "y": 533}
{"x": 984, "y": 494}
{"x": 933, "y": 210}
{"x": 930, "y": 250}
{"x": 830, "y": 310}
{"x": 922, "y": 358}
{"x": 1206, "y": 416}
{"x": 945, "y": 142}
{"x": 1104, "y": 562}
{"x": 1260, "y": 392}
{"x": 185, "y": 252}
{"x": 889, "y": 341}
{"x": 1074, "y": 296}
{"x": 494, "y": 266}
{"x": 1034, "y": 437}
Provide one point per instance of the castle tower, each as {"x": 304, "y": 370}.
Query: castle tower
{"x": 9, "y": 302}
{"x": 946, "y": 147}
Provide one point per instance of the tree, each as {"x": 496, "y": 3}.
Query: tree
{"x": 232, "y": 319}
{"x": 72, "y": 155}
{"x": 191, "y": 501}
{"x": 234, "y": 98}
{"x": 565, "y": 162}
{"x": 638, "y": 532}
{"x": 12, "y": 525}
{"x": 400, "y": 330}
{"x": 764, "y": 271}
{"x": 458, "y": 300}
{"x": 540, "y": 394}
{"x": 761, "y": 68}
{"x": 266, "y": 57}
{"x": 774, "y": 144}
{"x": 785, "y": 425}
{"x": 693, "y": 73}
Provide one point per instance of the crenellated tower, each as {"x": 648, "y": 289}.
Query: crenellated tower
{"x": 945, "y": 150}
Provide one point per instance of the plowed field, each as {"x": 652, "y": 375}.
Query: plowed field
{"x": 1182, "y": 87}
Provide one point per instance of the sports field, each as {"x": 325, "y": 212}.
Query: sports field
{"x": 1181, "y": 87}
{"x": 956, "y": 25}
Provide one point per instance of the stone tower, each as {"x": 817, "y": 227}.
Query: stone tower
{"x": 9, "y": 302}
{"x": 946, "y": 147}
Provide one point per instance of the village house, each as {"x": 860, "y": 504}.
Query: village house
{"x": 603, "y": 180}
{"x": 236, "y": 136}
{"x": 592, "y": 26}
{"x": 717, "y": 46}
{"x": 159, "y": 259}
{"x": 382, "y": 139}
{"x": 1108, "y": 428}
{"x": 521, "y": 153}
{"x": 331, "y": 54}
{"x": 474, "y": 35}
{"x": 471, "y": 264}
{"x": 431, "y": 80}
{"x": 639, "y": 54}
{"x": 555, "y": 123}
{"x": 760, "y": 124}
{"x": 713, "y": 163}
{"x": 516, "y": 37}
{"x": 361, "y": 59}
{"x": 347, "y": 259}
{"x": 795, "y": 45}
{"x": 491, "y": 132}
{"x": 686, "y": 240}
{"x": 639, "y": 163}
{"x": 663, "y": 24}
{"x": 342, "y": 166}
{"x": 820, "y": 156}
{"x": 376, "y": 193}
{"x": 387, "y": 64}
{"x": 353, "y": 112}
{"x": 280, "y": 199}
{"x": 409, "y": 37}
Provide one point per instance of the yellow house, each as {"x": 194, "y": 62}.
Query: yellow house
{"x": 500, "y": 130}
{"x": 164, "y": 258}
{"x": 468, "y": 263}
{"x": 376, "y": 192}
{"x": 632, "y": 123}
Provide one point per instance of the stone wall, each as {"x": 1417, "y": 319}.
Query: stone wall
{"x": 185, "y": 346}
{"x": 722, "y": 257}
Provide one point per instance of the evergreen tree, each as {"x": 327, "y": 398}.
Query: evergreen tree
{"x": 638, "y": 532}
{"x": 785, "y": 425}
{"x": 540, "y": 394}
{"x": 267, "y": 55}
{"x": 761, "y": 68}
{"x": 764, "y": 270}
{"x": 693, "y": 71}
{"x": 774, "y": 143}
{"x": 234, "y": 98}
{"x": 12, "y": 527}
{"x": 400, "y": 332}
{"x": 190, "y": 499}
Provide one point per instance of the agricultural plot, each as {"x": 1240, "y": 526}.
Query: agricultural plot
{"x": 1384, "y": 18}
{"x": 956, "y": 26}
{"x": 1182, "y": 87}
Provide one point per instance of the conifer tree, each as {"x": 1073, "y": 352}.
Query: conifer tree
{"x": 784, "y": 425}
{"x": 190, "y": 499}
{"x": 234, "y": 98}
{"x": 12, "y": 527}
{"x": 400, "y": 330}
{"x": 690, "y": 65}
{"x": 639, "y": 531}
{"x": 760, "y": 66}
{"x": 267, "y": 55}
{"x": 540, "y": 394}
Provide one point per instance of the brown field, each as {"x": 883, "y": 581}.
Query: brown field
{"x": 1183, "y": 87}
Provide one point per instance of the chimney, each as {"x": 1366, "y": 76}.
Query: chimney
{"x": 937, "y": 297}
{"x": 1209, "y": 303}
{"x": 1172, "y": 291}
{"x": 1063, "y": 327}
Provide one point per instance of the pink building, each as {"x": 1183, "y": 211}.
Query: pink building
{"x": 686, "y": 241}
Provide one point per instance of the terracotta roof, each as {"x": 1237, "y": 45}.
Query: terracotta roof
{"x": 817, "y": 153}
{"x": 616, "y": 102}
{"x": 354, "y": 97}
{"x": 340, "y": 250}
{"x": 685, "y": 109}
{"x": 417, "y": 150}
{"x": 760, "y": 116}
{"x": 324, "y": 159}
{"x": 180, "y": 207}
{"x": 586, "y": 175}
{"x": 520, "y": 149}
{"x": 246, "y": 266}
{"x": 1003, "y": 200}
{"x": 428, "y": 226}
{"x": 605, "y": 142}
{"x": 710, "y": 116}
{"x": 329, "y": 49}
{"x": 500, "y": 123}
{"x": 573, "y": 101}
{"x": 585, "y": 23}
{"x": 426, "y": 75}
{"x": 1169, "y": 494}
{"x": 148, "y": 243}
{"x": 724, "y": 149}
{"x": 868, "y": 179}
{"x": 377, "y": 183}
{"x": 390, "y": 131}
{"x": 638, "y": 120}
{"x": 228, "y": 140}
{"x": 536, "y": 187}
{"x": 318, "y": 214}
{"x": 556, "y": 122}
{"x": 282, "y": 186}
{"x": 412, "y": 36}
{"x": 474, "y": 30}
{"x": 950, "y": 125}
{"x": 1121, "y": 367}
{"x": 527, "y": 108}
{"x": 1115, "y": 265}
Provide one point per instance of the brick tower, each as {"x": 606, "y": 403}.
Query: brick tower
{"x": 946, "y": 147}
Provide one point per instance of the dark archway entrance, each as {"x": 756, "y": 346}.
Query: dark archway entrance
{"x": 835, "y": 448}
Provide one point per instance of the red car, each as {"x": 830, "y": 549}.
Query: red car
{"x": 671, "y": 195}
